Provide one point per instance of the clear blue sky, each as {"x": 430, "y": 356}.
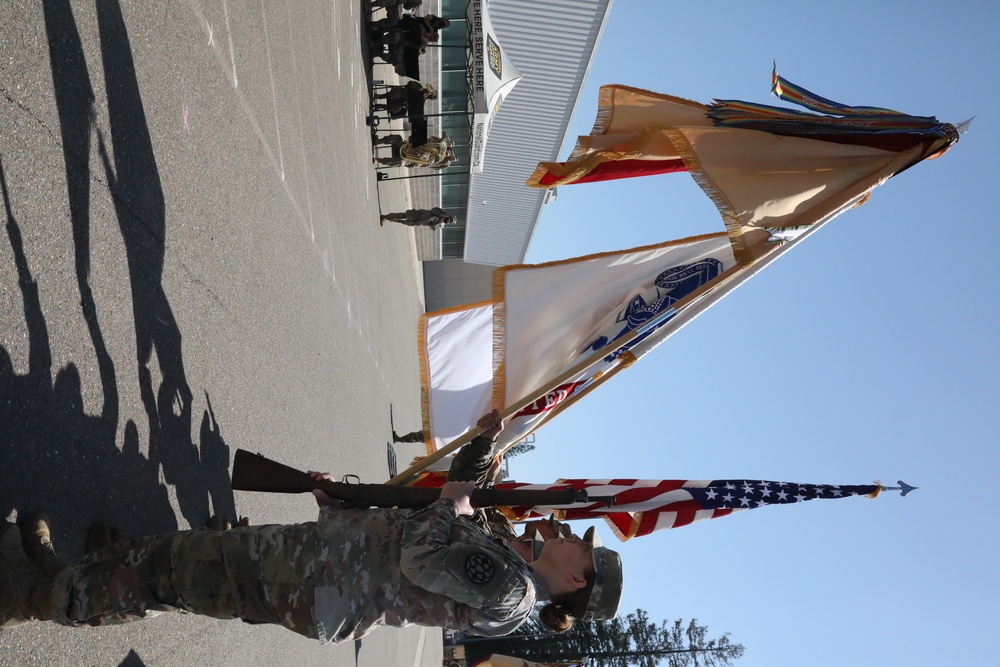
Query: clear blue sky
{"x": 870, "y": 352}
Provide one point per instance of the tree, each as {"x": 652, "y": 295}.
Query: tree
{"x": 632, "y": 640}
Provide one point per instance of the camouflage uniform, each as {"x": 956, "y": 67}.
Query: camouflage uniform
{"x": 420, "y": 217}
{"x": 262, "y": 574}
{"x": 388, "y": 567}
{"x": 333, "y": 580}
{"x": 472, "y": 464}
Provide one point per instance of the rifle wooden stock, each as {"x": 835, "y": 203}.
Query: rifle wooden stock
{"x": 254, "y": 472}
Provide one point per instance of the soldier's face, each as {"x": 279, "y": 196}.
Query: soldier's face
{"x": 547, "y": 529}
{"x": 572, "y": 554}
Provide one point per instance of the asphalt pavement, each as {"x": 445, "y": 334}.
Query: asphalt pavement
{"x": 192, "y": 263}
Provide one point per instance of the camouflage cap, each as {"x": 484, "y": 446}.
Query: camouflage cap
{"x": 606, "y": 593}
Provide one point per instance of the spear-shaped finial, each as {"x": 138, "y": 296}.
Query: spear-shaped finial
{"x": 903, "y": 487}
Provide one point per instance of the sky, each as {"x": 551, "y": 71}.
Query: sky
{"x": 869, "y": 352}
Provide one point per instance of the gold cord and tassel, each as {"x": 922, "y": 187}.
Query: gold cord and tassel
{"x": 876, "y": 492}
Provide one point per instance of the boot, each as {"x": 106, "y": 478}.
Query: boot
{"x": 98, "y": 537}
{"x": 101, "y": 536}
{"x": 36, "y": 540}
{"x": 412, "y": 437}
{"x": 19, "y": 581}
{"x": 216, "y": 522}
{"x": 11, "y": 595}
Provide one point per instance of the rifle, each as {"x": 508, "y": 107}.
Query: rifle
{"x": 254, "y": 472}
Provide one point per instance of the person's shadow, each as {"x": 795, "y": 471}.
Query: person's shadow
{"x": 134, "y": 180}
{"x": 54, "y": 456}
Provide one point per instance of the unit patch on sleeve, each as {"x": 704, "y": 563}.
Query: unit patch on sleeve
{"x": 479, "y": 568}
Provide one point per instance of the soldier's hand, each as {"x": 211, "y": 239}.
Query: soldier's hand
{"x": 491, "y": 425}
{"x": 322, "y": 498}
{"x": 461, "y": 493}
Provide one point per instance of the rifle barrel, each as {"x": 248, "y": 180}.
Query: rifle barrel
{"x": 254, "y": 472}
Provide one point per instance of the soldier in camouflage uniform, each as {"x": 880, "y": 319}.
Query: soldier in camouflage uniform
{"x": 475, "y": 463}
{"x": 420, "y": 217}
{"x": 333, "y": 580}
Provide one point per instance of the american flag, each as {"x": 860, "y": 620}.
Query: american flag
{"x": 644, "y": 506}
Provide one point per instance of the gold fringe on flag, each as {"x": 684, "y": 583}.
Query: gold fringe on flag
{"x": 499, "y": 338}
{"x": 425, "y": 378}
{"x": 605, "y": 111}
{"x": 425, "y": 383}
{"x": 874, "y": 494}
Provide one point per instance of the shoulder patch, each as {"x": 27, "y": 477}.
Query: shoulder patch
{"x": 479, "y": 568}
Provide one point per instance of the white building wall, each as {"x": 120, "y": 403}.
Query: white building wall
{"x": 452, "y": 282}
{"x": 551, "y": 43}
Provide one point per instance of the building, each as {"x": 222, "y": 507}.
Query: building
{"x": 552, "y": 44}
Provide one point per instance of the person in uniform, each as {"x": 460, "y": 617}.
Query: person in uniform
{"x": 419, "y": 150}
{"x": 405, "y": 99}
{"x": 475, "y": 462}
{"x": 333, "y": 580}
{"x": 410, "y": 438}
{"x": 410, "y": 31}
{"x": 420, "y": 217}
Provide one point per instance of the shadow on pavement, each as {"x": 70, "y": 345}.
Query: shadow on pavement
{"x": 53, "y": 455}
{"x": 132, "y": 660}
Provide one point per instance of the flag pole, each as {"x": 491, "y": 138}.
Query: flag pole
{"x": 581, "y": 367}
{"x": 624, "y": 361}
